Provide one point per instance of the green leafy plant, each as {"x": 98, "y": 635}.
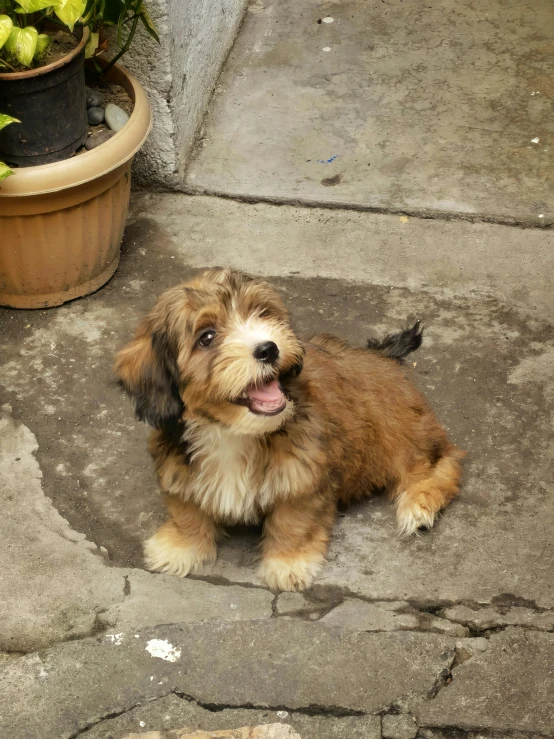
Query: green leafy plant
{"x": 22, "y": 23}
{"x": 5, "y": 120}
{"x": 23, "y": 41}
{"x": 124, "y": 16}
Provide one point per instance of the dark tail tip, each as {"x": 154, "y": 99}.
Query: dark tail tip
{"x": 398, "y": 346}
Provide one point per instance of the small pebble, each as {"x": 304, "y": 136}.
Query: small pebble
{"x": 95, "y": 115}
{"x": 116, "y": 118}
{"x": 100, "y": 138}
{"x": 62, "y": 37}
{"x": 94, "y": 98}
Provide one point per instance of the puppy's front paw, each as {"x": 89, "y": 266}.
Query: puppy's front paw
{"x": 168, "y": 552}
{"x": 413, "y": 514}
{"x": 289, "y": 573}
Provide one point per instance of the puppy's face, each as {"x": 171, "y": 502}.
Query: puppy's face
{"x": 217, "y": 349}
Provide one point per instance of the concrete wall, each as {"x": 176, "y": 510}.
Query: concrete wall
{"x": 179, "y": 76}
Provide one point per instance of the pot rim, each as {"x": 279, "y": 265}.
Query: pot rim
{"x": 81, "y": 168}
{"x": 15, "y": 76}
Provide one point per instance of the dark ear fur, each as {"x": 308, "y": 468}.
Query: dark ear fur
{"x": 148, "y": 372}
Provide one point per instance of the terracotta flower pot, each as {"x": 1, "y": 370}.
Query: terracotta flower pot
{"x": 61, "y": 224}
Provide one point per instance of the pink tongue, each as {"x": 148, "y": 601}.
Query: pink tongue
{"x": 267, "y": 393}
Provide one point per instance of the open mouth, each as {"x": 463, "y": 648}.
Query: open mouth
{"x": 264, "y": 400}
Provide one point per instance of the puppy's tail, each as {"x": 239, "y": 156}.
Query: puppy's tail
{"x": 398, "y": 346}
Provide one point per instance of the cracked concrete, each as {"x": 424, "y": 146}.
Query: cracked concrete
{"x": 163, "y": 599}
{"x": 507, "y": 688}
{"x": 172, "y": 711}
{"x": 253, "y": 664}
{"x": 484, "y": 618}
{"x": 55, "y": 578}
{"x": 392, "y": 624}
{"x": 82, "y": 594}
{"x": 388, "y": 616}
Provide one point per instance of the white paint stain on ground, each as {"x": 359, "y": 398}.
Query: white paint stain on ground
{"x": 535, "y": 140}
{"x": 326, "y": 48}
{"x": 115, "y": 638}
{"x": 327, "y": 19}
{"x": 163, "y": 650}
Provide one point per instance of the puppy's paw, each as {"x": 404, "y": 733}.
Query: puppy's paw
{"x": 289, "y": 573}
{"x": 413, "y": 514}
{"x": 168, "y": 552}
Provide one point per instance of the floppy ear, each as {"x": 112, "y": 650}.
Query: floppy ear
{"x": 148, "y": 372}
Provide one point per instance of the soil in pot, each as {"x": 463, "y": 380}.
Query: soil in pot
{"x": 61, "y": 44}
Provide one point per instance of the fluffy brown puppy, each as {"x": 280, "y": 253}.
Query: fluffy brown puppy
{"x": 254, "y": 424}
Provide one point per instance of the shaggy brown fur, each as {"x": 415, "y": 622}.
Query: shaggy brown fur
{"x": 253, "y": 424}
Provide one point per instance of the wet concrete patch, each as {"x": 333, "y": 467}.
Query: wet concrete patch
{"x": 56, "y": 373}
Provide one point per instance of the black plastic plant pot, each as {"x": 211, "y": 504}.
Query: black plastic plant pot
{"x": 50, "y": 102}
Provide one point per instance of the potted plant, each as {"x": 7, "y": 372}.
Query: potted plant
{"x": 62, "y": 214}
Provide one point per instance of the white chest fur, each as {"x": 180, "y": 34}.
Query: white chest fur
{"x": 224, "y": 478}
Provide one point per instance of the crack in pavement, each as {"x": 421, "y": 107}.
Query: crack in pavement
{"x": 424, "y": 215}
{"x": 322, "y": 600}
{"x": 449, "y": 732}
{"x": 317, "y": 608}
{"x": 316, "y": 710}
{"x": 311, "y": 710}
{"x": 114, "y": 714}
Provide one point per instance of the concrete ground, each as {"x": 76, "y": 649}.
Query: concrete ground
{"x": 447, "y": 631}
{"x": 446, "y": 635}
{"x": 439, "y": 107}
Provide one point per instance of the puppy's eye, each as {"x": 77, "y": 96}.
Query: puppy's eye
{"x": 207, "y": 337}
{"x": 265, "y": 313}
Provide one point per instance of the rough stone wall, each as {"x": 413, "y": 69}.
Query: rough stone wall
{"x": 179, "y": 76}
{"x": 203, "y": 33}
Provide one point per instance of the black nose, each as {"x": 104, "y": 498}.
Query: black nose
{"x": 267, "y": 352}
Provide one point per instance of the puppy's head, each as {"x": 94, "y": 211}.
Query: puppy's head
{"x": 218, "y": 349}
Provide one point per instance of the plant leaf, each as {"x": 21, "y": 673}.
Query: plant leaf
{"x": 92, "y": 45}
{"x": 112, "y": 11}
{"x": 10, "y": 42}
{"x": 22, "y": 43}
{"x": 5, "y": 171}
{"x": 43, "y": 42}
{"x": 31, "y": 6}
{"x": 6, "y": 26}
{"x": 69, "y": 11}
{"x": 89, "y": 10}
{"x": 5, "y": 120}
{"x": 149, "y": 25}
